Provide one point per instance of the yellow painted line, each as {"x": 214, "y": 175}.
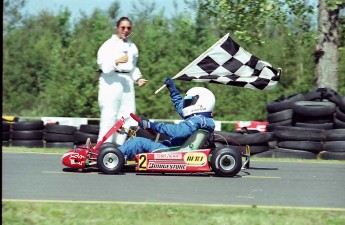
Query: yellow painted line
{"x": 81, "y": 172}
{"x": 261, "y": 177}
{"x": 174, "y": 204}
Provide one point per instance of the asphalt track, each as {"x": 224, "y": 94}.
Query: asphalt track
{"x": 42, "y": 177}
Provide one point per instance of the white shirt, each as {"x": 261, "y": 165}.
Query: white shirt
{"x": 114, "y": 48}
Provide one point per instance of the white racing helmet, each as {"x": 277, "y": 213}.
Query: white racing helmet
{"x": 198, "y": 100}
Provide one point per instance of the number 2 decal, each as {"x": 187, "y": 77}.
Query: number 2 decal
{"x": 142, "y": 162}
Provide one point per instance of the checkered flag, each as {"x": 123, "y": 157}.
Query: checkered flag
{"x": 228, "y": 63}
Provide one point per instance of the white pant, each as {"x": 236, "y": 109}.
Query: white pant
{"x": 116, "y": 98}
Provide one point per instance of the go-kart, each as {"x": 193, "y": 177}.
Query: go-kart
{"x": 191, "y": 157}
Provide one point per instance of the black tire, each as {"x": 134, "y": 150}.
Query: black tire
{"x": 54, "y": 137}
{"x": 272, "y": 126}
{"x": 91, "y": 129}
{"x": 332, "y": 155}
{"x": 266, "y": 154}
{"x": 321, "y": 94}
{"x": 310, "y": 108}
{"x": 342, "y": 104}
{"x": 313, "y": 119}
{"x": 334, "y": 146}
{"x": 27, "y": 135}
{"x": 59, "y": 129}
{"x": 28, "y": 143}
{"x": 226, "y": 162}
{"x": 5, "y": 143}
{"x": 339, "y": 114}
{"x": 28, "y": 125}
{"x": 298, "y": 133}
{"x": 5, "y": 126}
{"x": 280, "y": 116}
{"x": 243, "y": 139}
{"x": 311, "y": 146}
{"x": 81, "y": 137}
{"x": 254, "y": 149}
{"x": 107, "y": 145}
{"x": 110, "y": 160}
{"x": 338, "y": 124}
{"x": 59, "y": 145}
{"x": 283, "y": 103}
{"x": 334, "y": 135}
{"x": 5, "y": 135}
{"x": 321, "y": 126}
{"x": 293, "y": 153}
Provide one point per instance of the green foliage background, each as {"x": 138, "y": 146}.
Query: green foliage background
{"x": 49, "y": 63}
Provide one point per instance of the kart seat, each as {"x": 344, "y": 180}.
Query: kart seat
{"x": 194, "y": 142}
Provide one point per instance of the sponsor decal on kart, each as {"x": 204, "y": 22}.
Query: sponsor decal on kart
{"x": 195, "y": 159}
{"x": 76, "y": 158}
{"x": 168, "y": 156}
{"x": 153, "y": 165}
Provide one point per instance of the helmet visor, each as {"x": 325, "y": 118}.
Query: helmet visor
{"x": 190, "y": 100}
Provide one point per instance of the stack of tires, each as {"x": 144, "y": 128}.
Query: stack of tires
{"x": 333, "y": 144}
{"x": 6, "y": 128}
{"x": 280, "y": 111}
{"x": 27, "y": 133}
{"x": 315, "y": 127}
{"x": 86, "y": 131}
{"x": 339, "y": 117}
{"x": 258, "y": 142}
{"x": 59, "y": 136}
{"x": 318, "y": 110}
{"x": 297, "y": 142}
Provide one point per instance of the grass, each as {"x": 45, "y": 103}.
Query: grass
{"x": 72, "y": 212}
{"x": 121, "y": 213}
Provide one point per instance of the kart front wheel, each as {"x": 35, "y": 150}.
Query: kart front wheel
{"x": 226, "y": 162}
{"x": 110, "y": 160}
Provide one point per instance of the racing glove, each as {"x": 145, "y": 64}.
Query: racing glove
{"x": 144, "y": 123}
{"x": 171, "y": 86}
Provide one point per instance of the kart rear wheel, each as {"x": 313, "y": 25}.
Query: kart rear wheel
{"x": 226, "y": 162}
{"x": 110, "y": 160}
{"x": 107, "y": 145}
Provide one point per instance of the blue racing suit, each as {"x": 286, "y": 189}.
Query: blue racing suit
{"x": 178, "y": 133}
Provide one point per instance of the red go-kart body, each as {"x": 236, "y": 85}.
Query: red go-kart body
{"x": 174, "y": 162}
{"x": 188, "y": 158}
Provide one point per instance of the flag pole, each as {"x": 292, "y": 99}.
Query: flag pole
{"x": 195, "y": 60}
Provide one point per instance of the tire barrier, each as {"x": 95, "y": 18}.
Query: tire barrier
{"x": 27, "y": 134}
{"x": 280, "y": 112}
{"x": 59, "y": 136}
{"x": 258, "y": 142}
{"x": 6, "y": 128}
{"x": 86, "y": 131}
{"x": 316, "y": 129}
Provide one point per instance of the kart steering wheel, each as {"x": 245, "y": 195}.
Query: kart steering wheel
{"x": 136, "y": 118}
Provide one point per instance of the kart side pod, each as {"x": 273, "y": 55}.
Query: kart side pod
{"x": 75, "y": 159}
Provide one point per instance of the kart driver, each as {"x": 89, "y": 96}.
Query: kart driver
{"x": 196, "y": 110}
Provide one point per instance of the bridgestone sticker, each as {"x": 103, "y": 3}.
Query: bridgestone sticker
{"x": 153, "y": 165}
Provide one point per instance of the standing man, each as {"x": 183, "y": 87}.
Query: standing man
{"x": 117, "y": 61}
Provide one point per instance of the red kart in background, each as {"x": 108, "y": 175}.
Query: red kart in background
{"x": 190, "y": 157}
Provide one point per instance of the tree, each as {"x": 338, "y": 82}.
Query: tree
{"x": 238, "y": 17}
{"x": 326, "y": 53}
{"x": 12, "y": 15}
